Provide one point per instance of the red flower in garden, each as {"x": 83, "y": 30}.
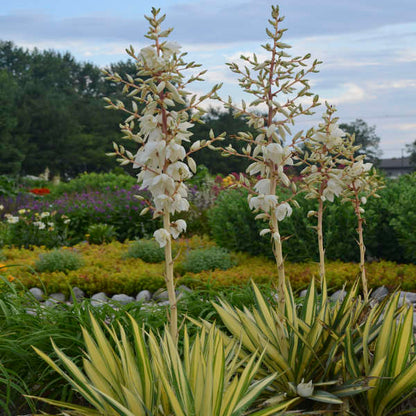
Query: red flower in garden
{"x": 40, "y": 191}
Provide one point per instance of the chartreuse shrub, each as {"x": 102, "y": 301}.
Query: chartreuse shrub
{"x": 107, "y": 269}
{"x": 59, "y": 261}
{"x": 149, "y": 377}
{"x": 210, "y": 258}
{"x": 147, "y": 250}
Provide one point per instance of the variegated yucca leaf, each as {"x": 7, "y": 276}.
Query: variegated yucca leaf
{"x": 211, "y": 379}
{"x": 388, "y": 361}
{"x": 117, "y": 377}
{"x": 305, "y": 343}
{"x": 151, "y": 378}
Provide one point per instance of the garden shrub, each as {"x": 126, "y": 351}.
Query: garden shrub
{"x": 233, "y": 226}
{"x": 400, "y": 195}
{"x": 147, "y": 250}
{"x": 8, "y": 186}
{"x": 211, "y": 258}
{"x": 100, "y": 233}
{"x": 95, "y": 182}
{"x": 59, "y": 261}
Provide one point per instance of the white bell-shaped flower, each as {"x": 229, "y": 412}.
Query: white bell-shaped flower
{"x": 282, "y": 211}
{"x": 162, "y": 236}
{"x": 177, "y": 227}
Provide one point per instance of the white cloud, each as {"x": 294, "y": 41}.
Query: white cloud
{"x": 407, "y": 126}
{"x": 406, "y": 55}
{"x": 393, "y": 84}
{"x": 347, "y": 93}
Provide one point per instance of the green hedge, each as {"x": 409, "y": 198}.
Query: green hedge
{"x": 389, "y": 231}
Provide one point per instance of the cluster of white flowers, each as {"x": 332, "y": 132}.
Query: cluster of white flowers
{"x": 356, "y": 174}
{"x": 360, "y": 183}
{"x": 11, "y": 219}
{"x": 161, "y": 160}
{"x": 324, "y": 175}
{"x": 39, "y": 224}
{"x": 39, "y": 219}
{"x": 149, "y": 58}
{"x": 273, "y": 158}
{"x": 165, "y": 115}
{"x": 332, "y": 138}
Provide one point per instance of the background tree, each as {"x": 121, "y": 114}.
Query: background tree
{"x": 411, "y": 150}
{"x": 11, "y": 155}
{"x": 365, "y": 136}
{"x": 221, "y": 121}
{"x": 54, "y": 114}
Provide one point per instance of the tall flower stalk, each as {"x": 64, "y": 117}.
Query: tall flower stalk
{"x": 323, "y": 175}
{"x": 280, "y": 89}
{"x": 361, "y": 183}
{"x": 159, "y": 117}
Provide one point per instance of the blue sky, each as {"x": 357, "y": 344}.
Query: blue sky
{"x": 368, "y": 47}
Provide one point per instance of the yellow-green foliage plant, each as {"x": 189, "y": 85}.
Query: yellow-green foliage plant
{"x": 159, "y": 116}
{"x": 211, "y": 379}
{"x": 388, "y": 363}
{"x": 107, "y": 269}
{"x": 149, "y": 378}
{"x": 280, "y": 88}
{"x": 307, "y": 357}
{"x": 118, "y": 377}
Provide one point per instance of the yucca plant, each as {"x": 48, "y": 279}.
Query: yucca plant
{"x": 303, "y": 346}
{"x": 389, "y": 362}
{"x": 119, "y": 378}
{"x": 211, "y": 379}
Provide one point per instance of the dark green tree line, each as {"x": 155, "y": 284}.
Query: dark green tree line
{"x": 52, "y": 113}
{"x": 52, "y": 116}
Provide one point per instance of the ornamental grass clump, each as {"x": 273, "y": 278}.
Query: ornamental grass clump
{"x": 100, "y": 233}
{"x": 159, "y": 116}
{"x": 280, "y": 87}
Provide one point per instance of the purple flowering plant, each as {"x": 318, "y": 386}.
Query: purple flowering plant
{"x": 117, "y": 207}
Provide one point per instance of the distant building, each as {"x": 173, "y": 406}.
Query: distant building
{"x": 396, "y": 166}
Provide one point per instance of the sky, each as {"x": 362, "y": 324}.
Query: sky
{"x": 368, "y": 47}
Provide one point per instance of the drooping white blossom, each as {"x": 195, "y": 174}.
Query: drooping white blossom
{"x": 162, "y": 236}
{"x": 305, "y": 389}
{"x": 176, "y": 227}
{"x": 282, "y": 211}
